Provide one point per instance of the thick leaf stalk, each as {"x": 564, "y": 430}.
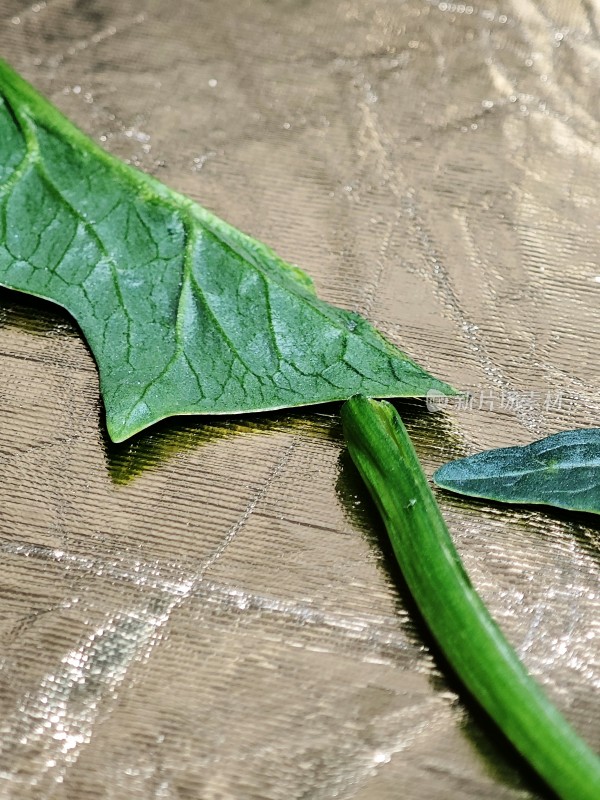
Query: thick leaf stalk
{"x": 459, "y": 621}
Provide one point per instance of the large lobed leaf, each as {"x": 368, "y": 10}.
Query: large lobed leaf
{"x": 184, "y": 314}
{"x": 562, "y": 470}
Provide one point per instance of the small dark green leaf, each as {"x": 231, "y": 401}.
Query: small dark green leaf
{"x": 183, "y": 313}
{"x": 562, "y": 470}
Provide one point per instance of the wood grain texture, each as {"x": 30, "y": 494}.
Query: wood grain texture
{"x": 205, "y": 612}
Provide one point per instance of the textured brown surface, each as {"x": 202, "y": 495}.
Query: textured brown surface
{"x": 204, "y": 612}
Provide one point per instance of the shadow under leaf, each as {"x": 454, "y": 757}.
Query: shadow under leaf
{"x": 35, "y": 315}
{"x": 175, "y": 436}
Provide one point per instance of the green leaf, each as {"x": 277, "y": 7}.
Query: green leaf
{"x": 455, "y": 614}
{"x": 184, "y": 314}
{"x": 562, "y": 470}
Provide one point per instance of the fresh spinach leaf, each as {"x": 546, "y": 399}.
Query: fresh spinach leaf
{"x": 184, "y": 314}
{"x": 562, "y": 470}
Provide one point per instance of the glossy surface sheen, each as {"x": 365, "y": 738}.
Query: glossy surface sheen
{"x": 204, "y": 611}
{"x": 184, "y": 314}
{"x": 461, "y": 625}
{"x": 561, "y": 470}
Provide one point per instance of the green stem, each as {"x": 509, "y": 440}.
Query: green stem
{"x": 460, "y": 623}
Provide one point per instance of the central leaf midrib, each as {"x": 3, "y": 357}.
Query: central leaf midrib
{"x": 550, "y": 469}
